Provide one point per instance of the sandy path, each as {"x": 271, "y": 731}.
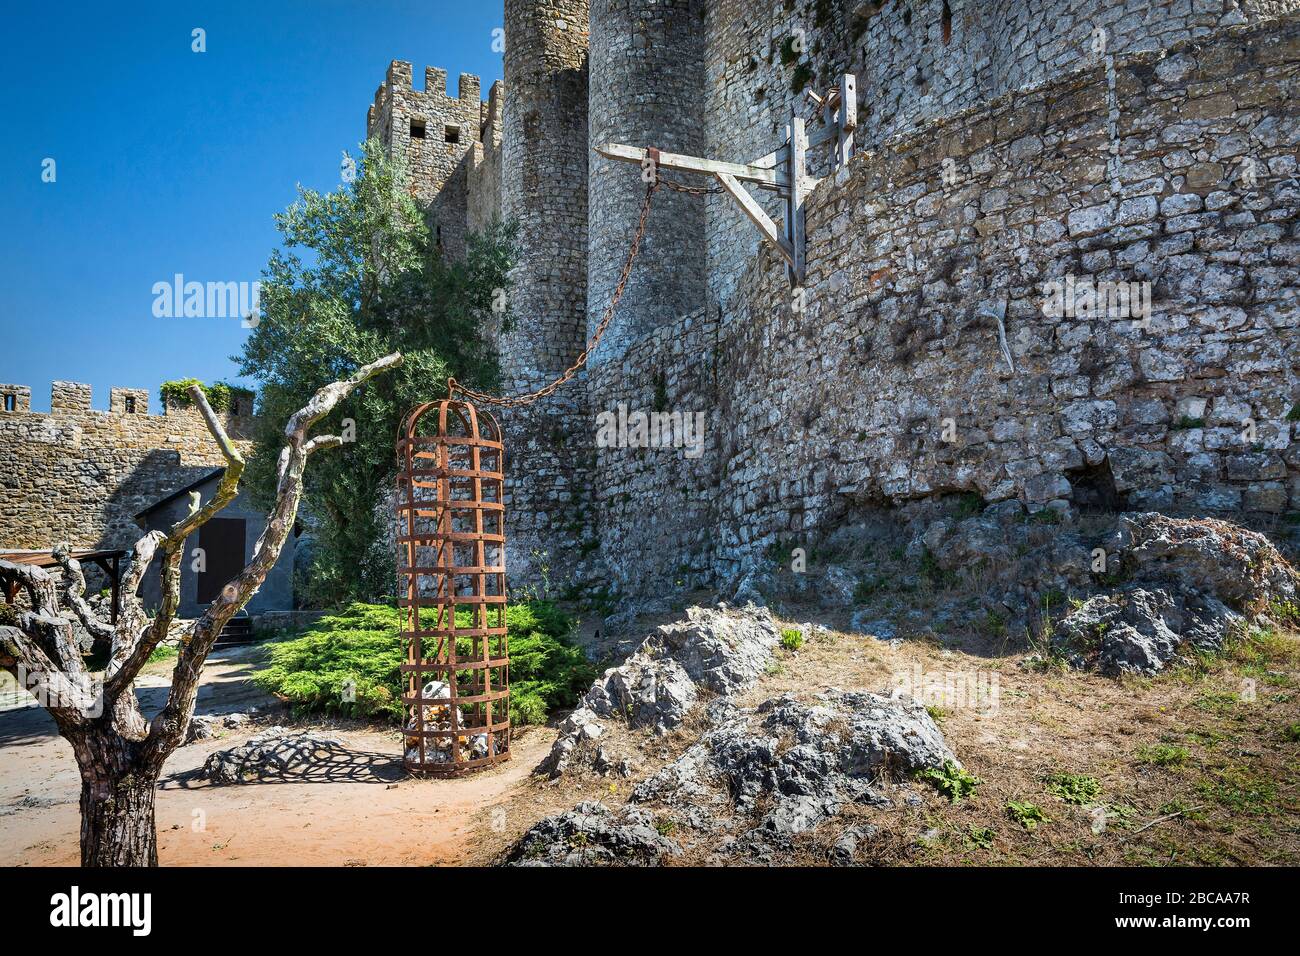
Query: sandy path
{"x": 358, "y": 808}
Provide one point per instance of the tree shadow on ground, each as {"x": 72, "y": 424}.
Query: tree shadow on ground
{"x": 286, "y": 763}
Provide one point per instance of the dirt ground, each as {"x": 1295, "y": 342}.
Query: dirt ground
{"x": 358, "y": 809}
{"x": 1199, "y": 766}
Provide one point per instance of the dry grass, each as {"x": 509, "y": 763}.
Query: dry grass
{"x": 1202, "y": 746}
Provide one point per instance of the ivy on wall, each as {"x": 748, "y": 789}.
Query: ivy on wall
{"x": 220, "y": 395}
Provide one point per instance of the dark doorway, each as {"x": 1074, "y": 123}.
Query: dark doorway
{"x": 222, "y": 541}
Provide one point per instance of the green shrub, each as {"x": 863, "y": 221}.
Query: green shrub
{"x": 792, "y": 638}
{"x": 951, "y": 780}
{"x": 219, "y": 394}
{"x": 361, "y": 644}
{"x": 1072, "y": 787}
{"x": 1028, "y": 815}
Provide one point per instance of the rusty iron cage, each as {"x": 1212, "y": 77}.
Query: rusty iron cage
{"x": 451, "y": 579}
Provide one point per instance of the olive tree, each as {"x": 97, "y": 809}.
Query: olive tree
{"x": 120, "y": 754}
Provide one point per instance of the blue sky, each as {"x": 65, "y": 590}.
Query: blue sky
{"x": 173, "y": 161}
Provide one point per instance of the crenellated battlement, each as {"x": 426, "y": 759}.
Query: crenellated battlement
{"x": 72, "y": 399}
{"x": 81, "y": 474}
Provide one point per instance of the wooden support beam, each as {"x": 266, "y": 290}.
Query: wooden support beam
{"x": 757, "y": 216}
{"x": 847, "y": 119}
{"x": 794, "y": 220}
{"x": 764, "y": 178}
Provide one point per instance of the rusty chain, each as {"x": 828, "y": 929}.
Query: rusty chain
{"x": 690, "y": 190}
{"x": 520, "y": 400}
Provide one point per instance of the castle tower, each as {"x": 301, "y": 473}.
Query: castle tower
{"x": 647, "y": 89}
{"x": 544, "y": 190}
{"x": 432, "y": 132}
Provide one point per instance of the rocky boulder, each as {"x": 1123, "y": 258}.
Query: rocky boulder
{"x": 1140, "y": 631}
{"x": 591, "y": 834}
{"x": 1189, "y": 583}
{"x": 272, "y": 753}
{"x": 206, "y": 727}
{"x": 798, "y": 764}
{"x": 721, "y": 650}
{"x": 1238, "y": 567}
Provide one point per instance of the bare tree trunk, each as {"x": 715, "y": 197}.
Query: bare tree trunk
{"x": 120, "y": 754}
{"x": 117, "y": 803}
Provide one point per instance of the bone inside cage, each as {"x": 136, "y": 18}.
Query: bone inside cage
{"x": 451, "y": 580}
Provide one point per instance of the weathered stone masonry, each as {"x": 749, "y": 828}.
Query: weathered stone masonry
{"x": 431, "y": 132}
{"x": 1002, "y": 145}
{"x": 81, "y": 475}
{"x": 822, "y": 411}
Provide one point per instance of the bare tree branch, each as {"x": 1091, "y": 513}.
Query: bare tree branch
{"x": 70, "y": 699}
{"x": 44, "y": 624}
{"x": 227, "y": 488}
{"x": 74, "y": 589}
{"x": 168, "y": 727}
{"x": 322, "y": 441}
{"x": 324, "y": 401}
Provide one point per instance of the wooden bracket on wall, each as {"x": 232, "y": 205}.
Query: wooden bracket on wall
{"x": 783, "y": 171}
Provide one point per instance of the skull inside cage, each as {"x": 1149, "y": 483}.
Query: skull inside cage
{"x": 451, "y": 579}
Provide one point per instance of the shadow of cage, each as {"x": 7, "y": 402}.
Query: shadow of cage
{"x": 451, "y": 579}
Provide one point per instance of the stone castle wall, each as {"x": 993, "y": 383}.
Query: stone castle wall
{"x": 432, "y": 132}
{"x": 647, "y": 84}
{"x": 910, "y": 69}
{"x": 483, "y": 166}
{"x": 80, "y": 474}
{"x": 1129, "y": 170}
{"x": 544, "y": 191}
{"x": 1000, "y": 146}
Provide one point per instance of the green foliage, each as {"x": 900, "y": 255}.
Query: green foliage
{"x": 1287, "y": 612}
{"x": 1240, "y": 791}
{"x": 951, "y": 780}
{"x": 1291, "y": 732}
{"x": 1072, "y": 787}
{"x": 1294, "y": 414}
{"x": 361, "y": 645}
{"x": 937, "y": 713}
{"x": 792, "y": 638}
{"x": 1028, "y": 815}
{"x": 788, "y": 52}
{"x": 165, "y": 652}
{"x": 980, "y": 837}
{"x": 218, "y": 394}
{"x": 1162, "y": 755}
{"x": 358, "y": 276}
{"x": 801, "y": 77}
{"x": 1187, "y": 422}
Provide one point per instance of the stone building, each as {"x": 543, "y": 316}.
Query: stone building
{"x": 1005, "y": 149}
{"x": 226, "y": 543}
{"x": 98, "y": 479}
